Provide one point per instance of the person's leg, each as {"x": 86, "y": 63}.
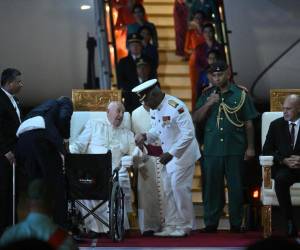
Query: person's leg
{"x": 213, "y": 192}
{"x": 5, "y": 194}
{"x": 284, "y": 178}
{"x": 233, "y": 167}
{"x": 49, "y": 164}
{"x": 182, "y": 180}
{"x": 169, "y": 201}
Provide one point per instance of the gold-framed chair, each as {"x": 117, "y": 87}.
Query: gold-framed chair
{"x": 268, "y": 196}
{"x": 94, "y": 99}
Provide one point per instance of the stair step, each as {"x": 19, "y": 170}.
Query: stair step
{"x": 179, "y": 93}
{"x": 168, "y": 56}
{"x": 165, "y": 32}
{"x": 168, "y": 43}
{"x": 169, "y": 69}
{"x": 197, "y": 197}
{"x": 174, "y": 82}
{"x": 160, "y": 19}
{"x": 196, "y": 182}
{"x": 158, "y": 1}
{"x": 158, "y": 8}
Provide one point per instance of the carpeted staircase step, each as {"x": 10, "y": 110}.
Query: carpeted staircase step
{"x": 181, "y": 92}
{"x": 167, "y": 43}
{"x": 161, "y": 19}
{"x": 170, "y": 81}
{"x": 159, "y": 8}
{"x": 158, "y": 1}
{"x": 165, "y": 31}
{"x": 173, "y": 68}
{"x": 167, "y": 56}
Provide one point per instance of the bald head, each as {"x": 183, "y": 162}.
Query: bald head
{"x": 291, "y": 108}
{"x": 115, "y": 113}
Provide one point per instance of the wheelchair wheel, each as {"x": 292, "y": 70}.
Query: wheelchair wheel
{"x": 116, "y": 213}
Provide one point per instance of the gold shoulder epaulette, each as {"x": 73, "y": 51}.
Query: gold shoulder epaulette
{"x": 242, "y": 87}
{"x": 173, "y": 103}
{"x": 207, "y": 88}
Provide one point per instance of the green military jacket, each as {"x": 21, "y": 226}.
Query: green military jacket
{"x": 223, "y": 138}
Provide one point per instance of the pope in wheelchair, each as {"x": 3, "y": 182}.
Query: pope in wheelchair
{"x": 98, "y": 136}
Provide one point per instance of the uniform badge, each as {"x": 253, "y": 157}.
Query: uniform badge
{"x": 181, "y": 110}
{"x": 166, "y": 120}
{"x": 173, "y": 103}
{"x": 152, "y": 117}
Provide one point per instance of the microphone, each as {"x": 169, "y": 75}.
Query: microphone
{"x": 218, "y": 91}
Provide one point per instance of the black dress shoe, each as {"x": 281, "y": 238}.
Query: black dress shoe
{"x": 292, "y": 231}
{"x": 237, "y": 229}
{"x": 148, "y": 233}
{"x": 209, "y": 229}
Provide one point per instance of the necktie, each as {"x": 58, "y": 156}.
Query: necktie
{"x": 293, "y": 134}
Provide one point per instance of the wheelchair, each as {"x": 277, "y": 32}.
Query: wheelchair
{"x": 89, "y": 177}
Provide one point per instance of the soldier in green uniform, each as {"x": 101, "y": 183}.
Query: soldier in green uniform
{"x": 224, "y": 112}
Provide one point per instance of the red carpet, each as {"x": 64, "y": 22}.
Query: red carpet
{"x": 196, "y": 239}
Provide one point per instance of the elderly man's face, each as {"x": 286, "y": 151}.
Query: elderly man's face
{"x": 115, "y": 115}
{"x": 291, "y": 110}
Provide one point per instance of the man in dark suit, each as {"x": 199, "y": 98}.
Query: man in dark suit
{"x": 127, "y": 77}
{"x": 283, "y": 143}
{"x": 40, "y": 149}
{"x": 11, "y": 84}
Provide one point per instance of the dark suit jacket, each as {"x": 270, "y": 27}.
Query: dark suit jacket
{"x": 278, "y": 142}
{"x": 9, "y": 123}
{"x": 57, "y": 115}
{"x": 127, "y": 79}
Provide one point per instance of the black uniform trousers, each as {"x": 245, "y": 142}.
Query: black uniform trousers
{"x": 284, "y": 178}
{"x": 5, "y": 194}
{"x": 37, "y": 157}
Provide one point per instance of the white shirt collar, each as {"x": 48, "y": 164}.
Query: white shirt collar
{"x": 297, "y": 122}
{"x": 10, "y": 96}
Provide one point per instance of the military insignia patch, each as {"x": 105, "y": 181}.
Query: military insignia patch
{"x": 173, "y": 103}
{"x": 181, "y": 110}
{"x": 166, "y": 120}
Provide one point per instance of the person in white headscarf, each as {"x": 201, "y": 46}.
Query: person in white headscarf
{"x": 97, "y": 137}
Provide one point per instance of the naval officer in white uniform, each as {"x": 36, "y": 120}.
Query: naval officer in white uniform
{"x": 173, "y": 125}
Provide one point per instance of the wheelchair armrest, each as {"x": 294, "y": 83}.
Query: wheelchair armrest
{"x": 266, "y": 162}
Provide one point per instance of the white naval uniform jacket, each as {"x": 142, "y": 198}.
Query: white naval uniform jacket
{"x": 172, "y": 123}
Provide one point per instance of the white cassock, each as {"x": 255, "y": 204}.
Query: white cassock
{"x": 173, "y": 125}
{"x": 150, "y": 195}
{"x": 97, "y": 137}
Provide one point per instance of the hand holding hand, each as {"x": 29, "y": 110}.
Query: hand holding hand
{"x": 140, "y": 139}
{"x": 165, "y": 158}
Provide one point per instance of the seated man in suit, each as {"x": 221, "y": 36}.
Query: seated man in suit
{"x": 283, "y": 143}
{"x": 97, "y": 137}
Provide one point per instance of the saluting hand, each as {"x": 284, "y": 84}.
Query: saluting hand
{"x": 165, "y": 158}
